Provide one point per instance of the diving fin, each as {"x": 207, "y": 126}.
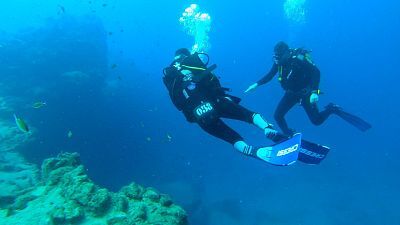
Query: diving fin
{"x": 282, "y": 154}
{"x": 354, "y": 120}
{"x": 310, "y": 153}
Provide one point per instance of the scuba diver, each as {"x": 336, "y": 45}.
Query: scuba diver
{"x": 300, "y": 78}
{"x": 197, "y": 92}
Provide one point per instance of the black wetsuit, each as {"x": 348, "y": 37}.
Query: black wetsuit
{"x": 299, "y": 77}
{"x": 204, "y": 101}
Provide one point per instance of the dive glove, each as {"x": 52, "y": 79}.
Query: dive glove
{"x": 314, "y": 98}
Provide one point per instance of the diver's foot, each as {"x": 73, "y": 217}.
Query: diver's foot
{"x": 262, "y": 153}
{"x": 333, "y": 108}
{"x": 269, "y": 132}
{"x": 290, "y": 132}
{"x": 279, "y": 137}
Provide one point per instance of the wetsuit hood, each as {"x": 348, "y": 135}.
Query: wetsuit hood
{"x": 181, "y": 54}
{"x": 281, "y": 53}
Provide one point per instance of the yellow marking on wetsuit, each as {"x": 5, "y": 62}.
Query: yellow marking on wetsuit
{"x": 280, "y": 71}
{"x": 193, "y": 67}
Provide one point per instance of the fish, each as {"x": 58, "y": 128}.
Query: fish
{"x": 69, "y": 134}
{"x": 38, "y": 105}
{"x": 169, "y": 137}
{"x": 22, "y": 126}
{"x": 113, "y": 66}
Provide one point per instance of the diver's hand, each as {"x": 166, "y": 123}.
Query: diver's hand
{"x": 251, "y": 87}
{"x": 270, "y": 132}
{"x": 314, "y": 98}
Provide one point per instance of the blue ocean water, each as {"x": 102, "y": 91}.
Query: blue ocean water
{"x": 98, "y": 65}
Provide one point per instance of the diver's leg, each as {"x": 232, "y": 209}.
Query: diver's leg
{"x": 313, "y": 113}
{"x": 286, "y": 103}
{"x": 219, "y": 129}
{"x": 232, "y": 110}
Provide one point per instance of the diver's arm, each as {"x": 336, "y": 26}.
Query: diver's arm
{"x": 265, "y": 79}
{"x": 268, "y": 77}
{"x": 314, "y": 84}
{"x": 315, "y": 78}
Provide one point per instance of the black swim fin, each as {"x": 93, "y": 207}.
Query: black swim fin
{"x": 354, "y": 120}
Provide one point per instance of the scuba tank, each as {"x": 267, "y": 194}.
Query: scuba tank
{"x": 302, "y": 54}
{"x": 199, "y": 69}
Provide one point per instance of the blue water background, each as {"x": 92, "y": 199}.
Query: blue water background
{"x": 121, "y": 119}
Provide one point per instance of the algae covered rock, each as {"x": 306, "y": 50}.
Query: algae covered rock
{"x": 16, "y": 177}
{"x": 118, "y": 219}
{"x": 165, "y": 200}
{"x": 151, "y": 194}
{"x": 66, "y": 195}
{"x": 22, "y": 201}
{"x": 52, "y": 168}
{"x": 69, "y": 213}
{"x": 99, "y": 202}
{"x": 137, "y": 212}
{"x": 70, "y": 176}
{"x": 120, "y": 203}
{"x": 133, "y": 191}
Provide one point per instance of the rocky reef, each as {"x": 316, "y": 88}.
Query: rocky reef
{"x": 64, "y": 194}
{"x": 16, "y": 177}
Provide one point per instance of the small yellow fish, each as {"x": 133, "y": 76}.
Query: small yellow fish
{"x": 69, "y": 134}
{"x": 38, "y": 105}
{"x": 22, "y": 126}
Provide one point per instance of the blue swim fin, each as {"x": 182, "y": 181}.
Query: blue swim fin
{"x": 310, "y": 153}
{"x": 282, "y": 154}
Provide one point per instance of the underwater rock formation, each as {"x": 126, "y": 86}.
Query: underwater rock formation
{"x": 66, "y": 195}
{"x": 44, "y": 57}
{"x": 16, "y": 177}
{"x": 11, "y": 137}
